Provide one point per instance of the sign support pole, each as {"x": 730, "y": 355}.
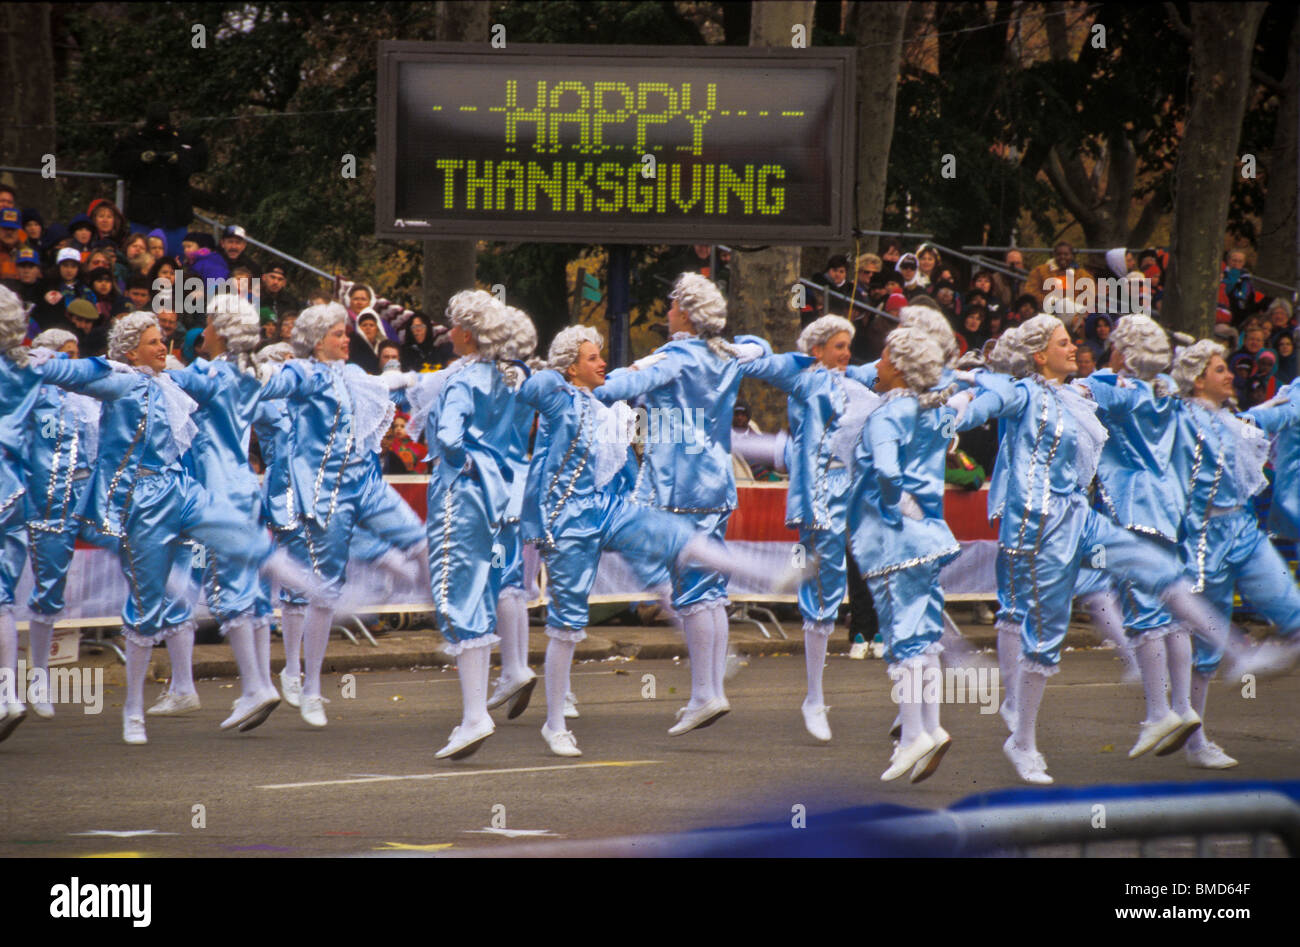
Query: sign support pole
{"x": 619, "y": 302}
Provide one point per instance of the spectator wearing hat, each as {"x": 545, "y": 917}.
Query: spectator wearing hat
{"x": 157, "y": 160}
{"x": 12, "y": 237}
{"x": 234, "y": 250}
{"x": 156, "y": 240}
{"x": 69, "y": 282}
{"x": 83, "y": 320}
{"x": 139, "y": 293}
{"x": 835, "y": 279}
{"x": 80, "y": 233}
{"x": 401, "y": 455}
{"x": 26, "y": 282}
{"x": 894, "y": 303}
{"x": 363, "y": 348}
{"x": 34, "y": 226}
{"x": 1288, "y": 366}
{"x": 276, "y": 297}
{"x": 201, "y": 258}
{"x": 108, "y": 300}
{"x": 1280, "y": 320}
{"x": 192, "y": 345}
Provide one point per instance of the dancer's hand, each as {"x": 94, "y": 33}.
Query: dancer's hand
{"x": 649, "y": 360}
{"x": 748, "y": 351}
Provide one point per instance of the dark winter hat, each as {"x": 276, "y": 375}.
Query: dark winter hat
{"x": 99, "y": 272}
{"x": 30, "y": 214}
{"x": 202, "y": 238}
{"x": 81, "y": 220}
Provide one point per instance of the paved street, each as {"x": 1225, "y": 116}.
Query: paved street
{"x": 369, "y": 782}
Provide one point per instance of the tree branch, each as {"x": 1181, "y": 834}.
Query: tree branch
{"x": 1057, "y": 176}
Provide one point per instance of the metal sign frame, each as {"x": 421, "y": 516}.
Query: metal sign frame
{"x": 842, "y": 144}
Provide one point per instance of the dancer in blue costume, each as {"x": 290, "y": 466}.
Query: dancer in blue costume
{"x": 515, "y": 686}
{"x": 1047, "y": 460}
{"x": 582, "y": 472}
{"x": 821, "y": 395}
{"x": 142, "y": 495}
{"x": 469, "y": 490}
{"x": 60, "y": 447}
{"x": 900, "y": 537}
{"x": 339, "y": 416}
{"x": 20, "y": 390}
{"x": 1138, "y": 404}
{"x": 690, "y": 386}
{"x": 1219, "y": 460}
{"x": 226, "y": 384}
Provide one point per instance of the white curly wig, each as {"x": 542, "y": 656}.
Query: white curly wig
{"x": 1031, "y": 337}
{"x": 564, "y": 347}
{"x": 935, "y": 325}
{"x": 820, "y": 331}
{"x": 705, "y": 307}
{"x": 1008, "y": 356}
{"x": 523, "y": 335}
{"x": 483, "y": 317}
{"x": 236, "y": 321}
{"x": 313, "y": 324}
{"x": 1143, "y": 344}
{"x": 53, "y": 339}
{"x": 124, "y": 335}
{"x": 13, "y": 326}
{"x": 917, "y": 356}
{"x": 1191, "y": 362}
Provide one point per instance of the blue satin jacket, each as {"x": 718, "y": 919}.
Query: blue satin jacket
{"x": 1282, "y": 420}
{"x": 473, "y": 405}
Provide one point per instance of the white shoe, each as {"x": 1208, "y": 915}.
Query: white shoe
{"x": 250, "y": 712}
{"x": 906, "y": 757}
{"x": 984, "y": 615}
{"x": 313, "y": 710}
{"x": 561, "y": 742}
{"x": 1175, "y": 741}
{"x": 1209, "y": 756}
{"x": 701, "y": 716}
{"x": 174, "y": 705}
{"x": 507, "y": 688}
{"x": 926, "y": 765}
{"x": 463, "y": 742}
{"x": 876, "y": 649}
{"x": 859, "y": 650}
{"x": 1009, "y": 715}
{"x": 133, "y": 731}
{"x": 291, "y": 688}
{"x": 14, "y": 714}
{"x": 1031, "y": 767}
{"x": 42, "y": 708}
{"x": 571, "y": 707}
{"x": 1157, "y": 731}
{"x": 814, "y": 719}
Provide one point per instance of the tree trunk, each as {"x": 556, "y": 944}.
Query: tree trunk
{"x": 761, "y": 281}
{"x": 449, "y": 265}
{"x": 27, "y": 100}
{"x": 1223, "y": 40}
{"x": 1277, "y": 236}
{"x": 878, "y": 31}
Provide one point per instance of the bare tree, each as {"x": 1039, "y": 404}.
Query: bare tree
{"x": 1277, "y": 235}
{"x": 1223, "y": 41}
{"x": 877, "y": 29}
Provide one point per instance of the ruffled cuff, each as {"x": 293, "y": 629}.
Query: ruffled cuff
{"x": 566, "y": 634}
{"x": 818, "y": 627}
{"x": 454, "y": 648}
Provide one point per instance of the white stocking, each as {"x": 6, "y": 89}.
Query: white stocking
{"x": 239, "y": 633}
{"x": 815, "y": 640}
{"x": 180, "y": 650}
{"x": 137, "y": 668}
{"x": 930, "y": 708}
{"x": 1009, "y": 660}
{"x": 316, "y": 626}
{"x": 1029, "y": 696}
{"x": 521, "y": 632}
{"x": 474, "y": 666}
{"x": 1200, "y": 690}
{"x": 262, "y": 640}
{"x": 1155, "y": 676}
{"x": 508, "y": 604}
{"x": 907, "y": 685}
{"x": 697, "y": 628}
{"x": 559, "y": 659}
{"x": 704, "y": 551}
{"x": 721, "y": 630}
{"x": 39, "y": 635}
{"x": 291, "y": 621}
{"x": 1178, "y": 649}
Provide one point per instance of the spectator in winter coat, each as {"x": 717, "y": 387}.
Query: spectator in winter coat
{"x": 91, "y": 330}
{"x": 82, "y": 232}
{"x": 108, "y": 221}
{"x": 363, "y": 344}
{"x": 234, "y": 250}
